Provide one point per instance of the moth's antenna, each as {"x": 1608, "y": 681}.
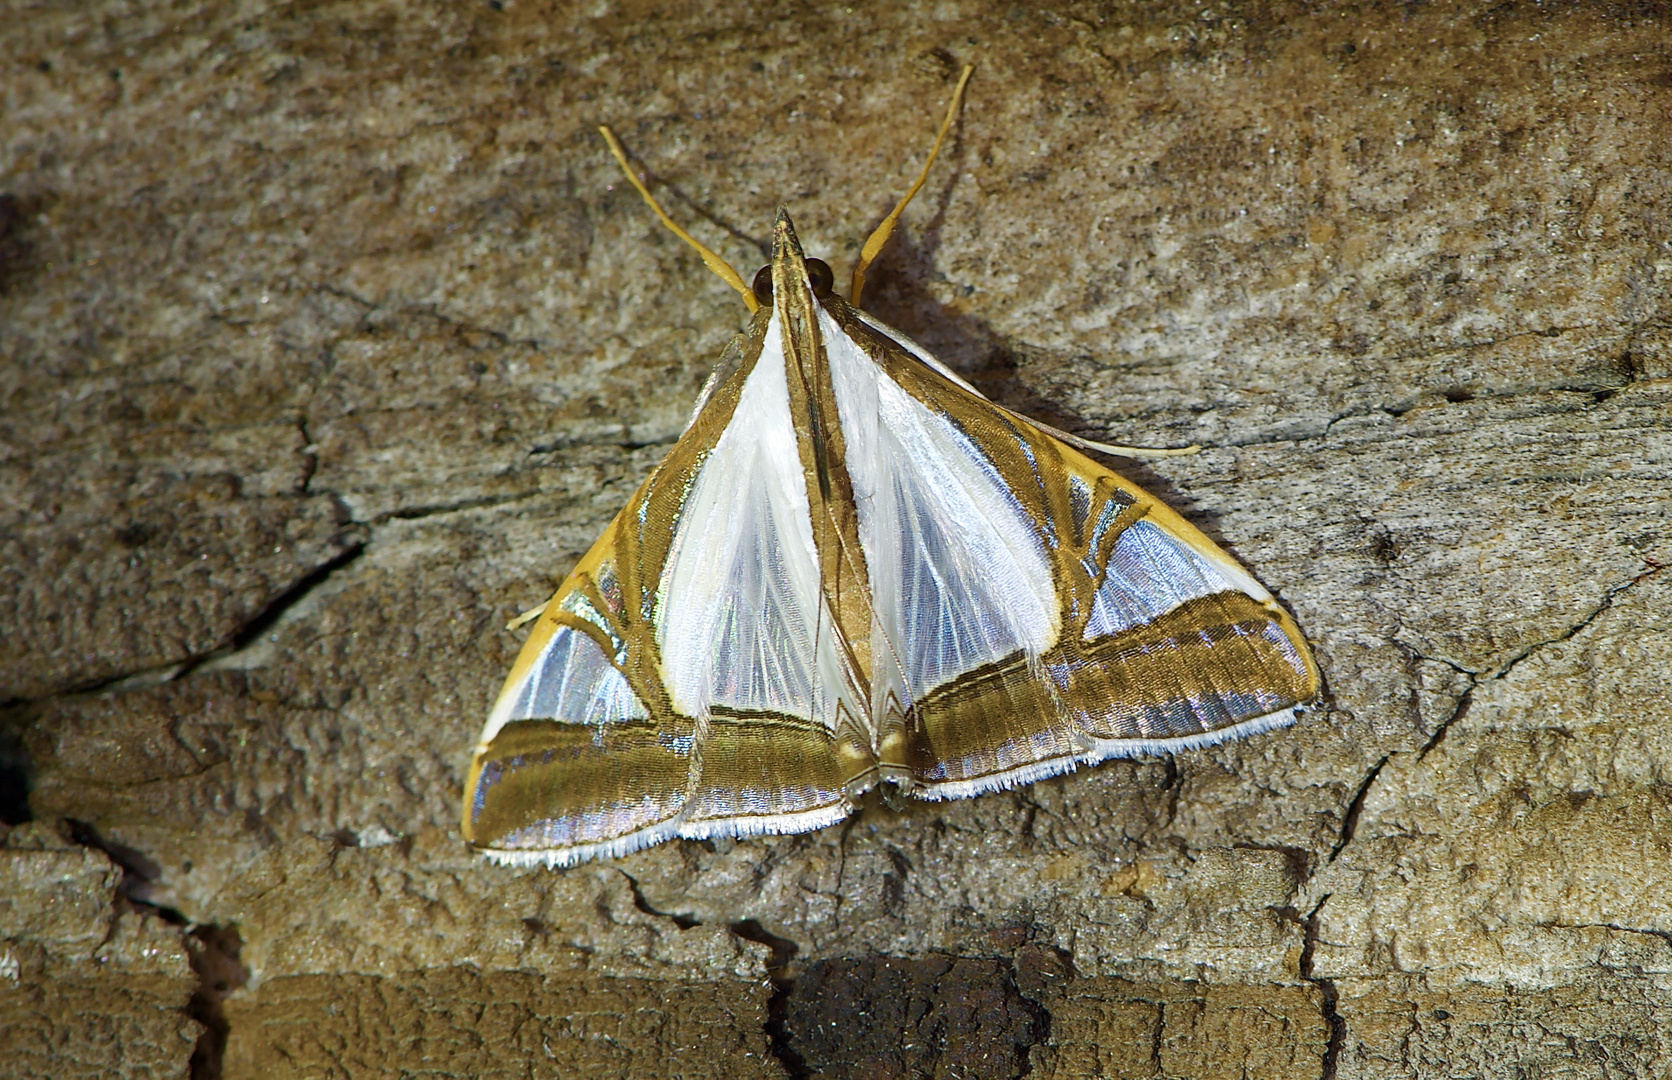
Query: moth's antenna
{"x": 713, "y": 261}
{"x": 880, "y": 237}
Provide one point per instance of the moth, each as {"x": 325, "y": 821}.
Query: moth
{"x": 854, "y": 569}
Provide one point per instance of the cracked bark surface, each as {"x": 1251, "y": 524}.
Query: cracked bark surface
{"x": 329, "y": 338}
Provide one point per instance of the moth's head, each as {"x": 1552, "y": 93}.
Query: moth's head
{"x": 819, "y": 276}
{"x": 791, "y": 273}
{"x": 790, "y": 269}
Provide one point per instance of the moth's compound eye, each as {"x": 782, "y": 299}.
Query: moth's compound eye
{"x": 762, "y": 286}
{"x": 818, "y": 273}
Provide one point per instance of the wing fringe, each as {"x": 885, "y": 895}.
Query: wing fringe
{"x": 1105, "y": 750}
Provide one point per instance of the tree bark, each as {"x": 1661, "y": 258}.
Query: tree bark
{"x": 332, "y": 337}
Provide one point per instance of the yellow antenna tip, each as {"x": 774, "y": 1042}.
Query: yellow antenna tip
{"x": 879, "y": 237}
{"x": 721, "y": 267}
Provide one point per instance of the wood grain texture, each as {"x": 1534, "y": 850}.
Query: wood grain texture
{"x": 330, "y": 338}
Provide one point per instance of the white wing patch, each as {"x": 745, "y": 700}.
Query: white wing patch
{"x": 739, "y": 616}
{"x": 1149, "y": 574}
{"x": 958, "y": 574}
{"x": 572, "y": 682}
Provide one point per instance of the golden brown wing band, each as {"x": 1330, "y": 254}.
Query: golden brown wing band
{"x": 542, "y": 784}
{"x": 1208, "y": 665}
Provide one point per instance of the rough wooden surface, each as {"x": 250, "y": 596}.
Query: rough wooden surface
{"x": 330, "y": 337}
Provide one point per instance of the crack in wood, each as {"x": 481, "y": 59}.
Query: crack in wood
{"x": 1349, "y": 820}
{"x": 1327, "y": 989}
